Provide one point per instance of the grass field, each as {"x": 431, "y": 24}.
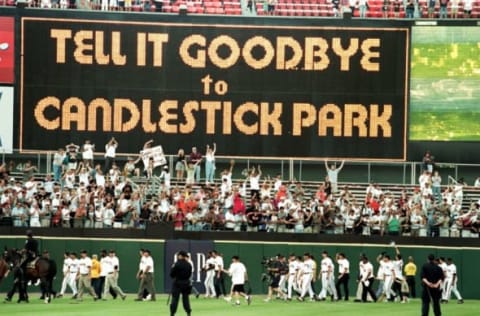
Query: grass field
{"x": 212, "y": 307}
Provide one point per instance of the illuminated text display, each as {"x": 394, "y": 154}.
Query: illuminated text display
{"x": 256, "y": 91}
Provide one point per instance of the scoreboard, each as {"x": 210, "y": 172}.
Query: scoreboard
{"x": 256, "y": 90}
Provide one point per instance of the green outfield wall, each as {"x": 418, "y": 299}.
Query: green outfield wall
{"x": 127, "y": 251}
{"x": 251, "y": 253}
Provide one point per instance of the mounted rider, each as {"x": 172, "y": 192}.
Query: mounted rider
{"x": 30, "y": 252}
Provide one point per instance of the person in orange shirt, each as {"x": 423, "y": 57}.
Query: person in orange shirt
{"x": 191, "y": 204}
{"x": 95, "y": 275}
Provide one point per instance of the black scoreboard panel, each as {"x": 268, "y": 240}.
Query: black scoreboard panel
{"x": 255, "y": 90}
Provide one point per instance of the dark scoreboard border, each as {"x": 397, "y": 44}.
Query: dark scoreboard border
{"x": 167, "y": 20}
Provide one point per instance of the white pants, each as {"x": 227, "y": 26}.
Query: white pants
{"x": 387, "y": 286}
{"x": 451, "y": 286}
{"x": 70, "y": 280}
{"x": 292, "y": 285}
{"x": 307, "y": 285}
{"x": 209, "y": 284}
{"x": 328, "y": 285}
{"x": 282, "y": 283}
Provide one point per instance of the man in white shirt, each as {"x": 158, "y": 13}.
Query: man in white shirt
{"x": 399, "y": 278}
{"x": 103, "y": 270}
{"x": 366, "y": 278}
{"x": 332, "y": 173}
{"x": 219, "y": 281}
{"x": 293, "y": 268}
{"x": 307, "y": 277}
{"x": 238, "y": 273}
{"x": 451, "y": 282}
{"x": 84, "y": 276}
{"x": 145, "y": 275}
{"x": 326, "y": 274}
{"x": 108, "y": 216}
{"x": 73, "y": 271}
{"x": 343, "y": 275}
{"x": 443, "y": 265}
{"x": 68, "y": 277}
{"x": 112, "y": 268}
{"x": 209, "y": 269}
{"x": 110, "y": 153}
{"x": 388, "y": 277}
{"x": 254, "y": 179}
{"x": 87, "y": 153}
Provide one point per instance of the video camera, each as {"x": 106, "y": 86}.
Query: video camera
{"x": 268, "y": 262}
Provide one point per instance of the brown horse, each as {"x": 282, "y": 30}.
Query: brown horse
{"x": 41, "y": 270}
{"x": 4, "y": 269}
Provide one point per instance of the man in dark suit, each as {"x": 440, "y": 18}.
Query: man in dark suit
{"x": 180, "y": 273}
{"x": 432, "y": 277}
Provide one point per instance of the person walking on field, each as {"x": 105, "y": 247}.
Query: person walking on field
{"x": 343, "y": 275}
{"x": 112, "y": 266}
{"x": 71, "y": 265}
{"x": 68, "y": 278}
{"x": 145, "y": 275}
{"x": 306, "y": 272}
{"x": 84, "y": 276}
{"x": 327, "y": 271}
{"x": 95, "y": 272}
{"x": 366, "y": 279}
{"x": 238, "y": 272}
{"x": 209, "y": 269}
{"x": 451, "y": 279}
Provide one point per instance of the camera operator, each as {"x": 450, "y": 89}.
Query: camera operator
{"x": 274, "y": 267}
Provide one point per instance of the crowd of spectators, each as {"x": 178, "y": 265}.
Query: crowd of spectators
{"x": 410, "y": 8}
{"x": 82, "y": 195}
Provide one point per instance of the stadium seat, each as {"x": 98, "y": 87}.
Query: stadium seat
{"x": 209, "y": 10}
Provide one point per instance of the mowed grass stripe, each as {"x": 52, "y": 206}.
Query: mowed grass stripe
{"x": 214, "y": 307}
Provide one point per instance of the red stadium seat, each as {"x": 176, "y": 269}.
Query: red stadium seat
{"x": 209, "y": 10}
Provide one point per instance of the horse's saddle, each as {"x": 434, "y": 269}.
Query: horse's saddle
{"x": 31, "y": 264}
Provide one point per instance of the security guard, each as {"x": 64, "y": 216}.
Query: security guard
{"x": 432, "y": 277}
{"x": 181, "y": 273}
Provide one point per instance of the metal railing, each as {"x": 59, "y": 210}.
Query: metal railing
{"x": 289, "y": 168}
